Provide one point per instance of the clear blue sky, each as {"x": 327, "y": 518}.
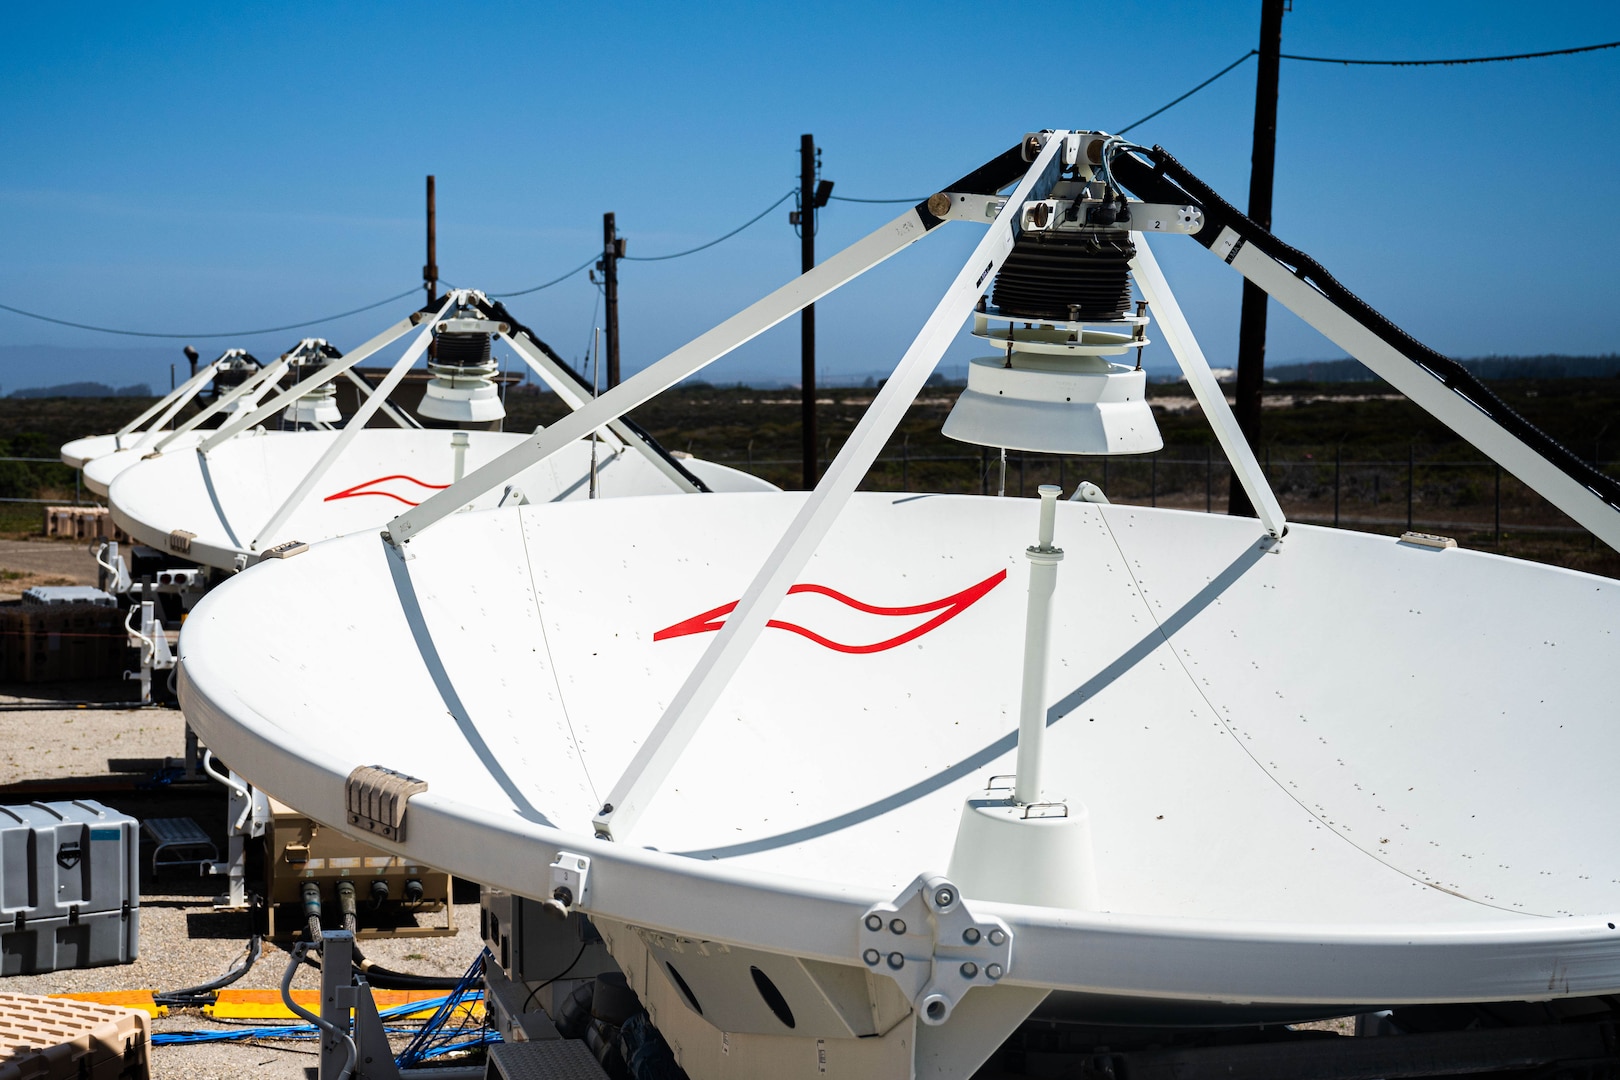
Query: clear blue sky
{"x": 201, "y": 167}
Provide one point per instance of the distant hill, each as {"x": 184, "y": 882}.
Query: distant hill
{"x": 84, "y": 389}
{"x": 29, "y": 367}
{"x": 1485, "y": 367}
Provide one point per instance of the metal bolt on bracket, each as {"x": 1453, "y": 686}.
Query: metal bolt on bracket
{"x": 944, "y": 949}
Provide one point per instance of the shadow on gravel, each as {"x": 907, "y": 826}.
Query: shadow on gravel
{"x": 235, "y": 925}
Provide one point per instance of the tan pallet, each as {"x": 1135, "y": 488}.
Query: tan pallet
{"x": 82, "y": 523}
{"x": 45, "y": 1038}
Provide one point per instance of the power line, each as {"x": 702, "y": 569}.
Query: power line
{"x": 851, "y": 198}
{"x": 1455, "y": 62}
{"x": 1188, "y": 94}
{"x": 554, "y": 281}
{"x": 711, "y": 243}
{"x": 653, "y": 258}
{"x": 231, "y": 334}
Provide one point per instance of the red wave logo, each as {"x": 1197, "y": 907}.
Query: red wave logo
{"x": 949, "y": 607}
{"x": 376, "y": 487}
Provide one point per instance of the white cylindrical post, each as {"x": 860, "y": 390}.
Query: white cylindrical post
{"x": 458, "y": 443}
{"x": 1043, "y": 560}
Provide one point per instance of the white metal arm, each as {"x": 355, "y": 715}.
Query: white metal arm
{"x": 620, "y": 436}
{"x": 1211, "y": 398}
{"x": 548, "y": 372}
{"x": 367, "y": 409}
{"x": 658, "y": 377}
{"x": 181, "y": 393}
{"x": 253, "y": 385}
{"x": 186, "y": 391}
{"x": 675, "y": 729}
{"x": 400, "y": 419}
{"x": 1434, "y": 396}
{"x": 324, "y": 375}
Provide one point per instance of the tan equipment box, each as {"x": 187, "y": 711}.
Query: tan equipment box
{"x": 299, "y": 850}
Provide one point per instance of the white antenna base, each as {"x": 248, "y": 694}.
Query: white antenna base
{"x": 1015, "y": 853}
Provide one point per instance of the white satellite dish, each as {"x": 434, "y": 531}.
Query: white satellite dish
{"x": 224, "y": 498}
{"x": 237, "y": 383}
{"x": 101, "y": 469}
{"x": 1276, "y": 771}
{"x": 1317, "y": 747}
{"x": 220, "y": 504}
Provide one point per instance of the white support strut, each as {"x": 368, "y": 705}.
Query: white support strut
{"x": 254, "y": 384}
{"x": 324, "y": 375}
{"x": 617, "y": 436}
{"x": 400, "y": 419}
{"x": 1043, "y": 566}
{"x": 1428, "y": 392}
{"x": 1211, "y": 398}
{"x": 354, "y": 426}
{"x": 654, "y": 379}
{"x": 181, "y": 392}
{"x": 656, "y": 756}
{"x": 187, "y": 390}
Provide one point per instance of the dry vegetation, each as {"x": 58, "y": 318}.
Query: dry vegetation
{"x": 1359, "y": 440}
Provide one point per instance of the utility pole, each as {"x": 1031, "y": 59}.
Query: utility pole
{"x": 1251, "y": 366}
{"x": 813, "y": 195}
{"x": 430, "y": 271}
{"x": 807, "y": 317}
{"x": 612, "y": 251}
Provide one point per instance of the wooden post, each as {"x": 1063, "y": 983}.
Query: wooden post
{"x": 1338, "y": 467}
{"x": 1251, "y": 365}
{"x": 612, "y": 249}
{"x": 430, "y": 270}
{"x": 1411, "y": 480}
{"x": 807, "y": 318}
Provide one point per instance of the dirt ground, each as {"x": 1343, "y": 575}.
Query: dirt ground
{"x": 39, "y": 561}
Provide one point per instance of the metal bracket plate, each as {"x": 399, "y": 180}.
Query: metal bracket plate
{"x": 375, "y": 798}
{"x": 933, "y": 946}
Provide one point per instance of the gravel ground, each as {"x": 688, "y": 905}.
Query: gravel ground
{"x": 83, "y": 742}
{"x": 109, "y": 755}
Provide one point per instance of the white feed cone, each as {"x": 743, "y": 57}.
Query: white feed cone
{"x": 1022, "y": 845}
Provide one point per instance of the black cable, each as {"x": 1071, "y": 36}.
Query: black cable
{"x": 1452, "y": 63}
{"x": 571, "y": 964}
{"x": 194, "y": 995}
{"x": 386, "y": 979}
{"x": 1190, "y": 93}
{"x": 647, "y": 258}
{"x": 711, "y": 243}
{"x": 231, "y": 334}
{"x": 1457, "y": 62}
{"x": 554, "y": 281}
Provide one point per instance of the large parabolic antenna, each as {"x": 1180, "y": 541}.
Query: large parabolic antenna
{"x": 231, "y": 382}
{"x": 224, "y": 497}
{"x": 1278, "y": 771}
